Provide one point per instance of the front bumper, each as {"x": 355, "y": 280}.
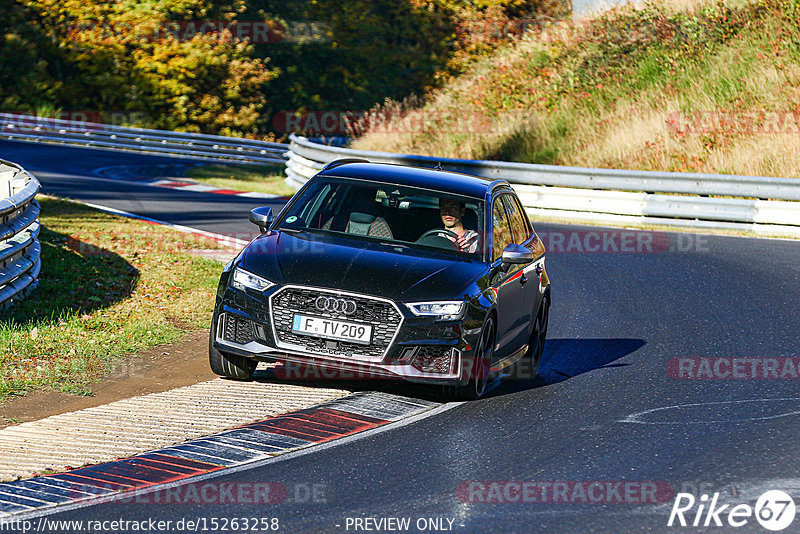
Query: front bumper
{"x": 421, "y": 350}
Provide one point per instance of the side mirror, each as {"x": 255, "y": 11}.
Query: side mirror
{"x": 515, "y": 254}
{"x": 261, "y": 217}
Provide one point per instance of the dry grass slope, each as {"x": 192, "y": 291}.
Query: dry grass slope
{"x": 680, "y": 86}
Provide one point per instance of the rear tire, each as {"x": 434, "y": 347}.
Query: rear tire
{"x": 538, "y": 336}
{"x": 480, "y": 369}
{"x": 230, "y": 365}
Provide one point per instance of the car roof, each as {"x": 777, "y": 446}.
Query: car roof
{"x": 446, "y": 181}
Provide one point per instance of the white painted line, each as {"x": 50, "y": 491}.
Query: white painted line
{"x": 159, "y": 183}
{"x": 198, "y": 188}
{"x": 636, "y": 417}
{"x": 179, "y": 227}
{"x": 253, "y": 194}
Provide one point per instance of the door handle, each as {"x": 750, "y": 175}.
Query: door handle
{"x": 523, "y": 279}
{"x": 538, "y": 270}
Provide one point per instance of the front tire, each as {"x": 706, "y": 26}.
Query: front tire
{"x": 480, "y": 369}
{"x": 230, "y": 365}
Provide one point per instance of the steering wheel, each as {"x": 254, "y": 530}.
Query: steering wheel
{"x": 438, "y": 232}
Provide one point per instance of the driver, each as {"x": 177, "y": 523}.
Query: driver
{"x": 452, "y": 212}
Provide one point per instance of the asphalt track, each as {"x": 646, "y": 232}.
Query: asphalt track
{"x": 604, "y": 409}
{"x": 72, "y": 173}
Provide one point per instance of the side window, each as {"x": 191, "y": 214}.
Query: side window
{"x": 516, "y": 216}
{"x": 501, "y": 231}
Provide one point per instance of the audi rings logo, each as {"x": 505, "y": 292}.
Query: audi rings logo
{"x": 332, "y": 304}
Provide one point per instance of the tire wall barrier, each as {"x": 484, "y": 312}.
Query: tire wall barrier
{"x": 20, "y": 251}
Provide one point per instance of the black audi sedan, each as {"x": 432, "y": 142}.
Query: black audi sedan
{"x": 400, "y": 272}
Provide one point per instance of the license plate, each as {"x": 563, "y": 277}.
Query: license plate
{"x": 332, "y": 329}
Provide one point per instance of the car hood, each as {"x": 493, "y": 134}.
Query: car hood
{"x": 360, "y": 266}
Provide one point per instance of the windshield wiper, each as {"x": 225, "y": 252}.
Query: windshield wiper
{"x": 393, "y": 244}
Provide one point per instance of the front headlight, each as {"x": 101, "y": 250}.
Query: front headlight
{"x": 445, "y": 310}
{"x": 242, "y": 280}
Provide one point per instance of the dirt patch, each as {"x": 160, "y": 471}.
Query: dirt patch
{"x": 159, "y": 369}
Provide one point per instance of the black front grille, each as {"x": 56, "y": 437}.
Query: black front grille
{"x": 383, "y": 317}
{"x": 237, "y": 330}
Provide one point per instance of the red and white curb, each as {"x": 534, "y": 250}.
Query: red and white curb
{"x": 202, "y": 188}
{"x": 247, "y": 444}
{"x": 165, "y": 176}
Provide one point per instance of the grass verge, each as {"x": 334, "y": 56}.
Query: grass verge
{"x": 257, "y": 178}
{"x": 109, "y": 287}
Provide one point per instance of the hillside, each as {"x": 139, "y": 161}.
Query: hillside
{"x": 687, "y": 86}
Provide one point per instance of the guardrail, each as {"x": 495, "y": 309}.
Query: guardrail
{"x": 20, "y": 250}
{"x": 760, "y": 205}
{"x": 214, "y": 148}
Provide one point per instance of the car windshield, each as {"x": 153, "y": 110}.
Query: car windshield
{"x": 413, "y": 217}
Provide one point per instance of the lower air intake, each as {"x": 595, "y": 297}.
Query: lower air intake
{"x": 439, "y": 360}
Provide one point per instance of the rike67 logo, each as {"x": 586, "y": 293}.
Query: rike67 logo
{"x": 774, "y": 510}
